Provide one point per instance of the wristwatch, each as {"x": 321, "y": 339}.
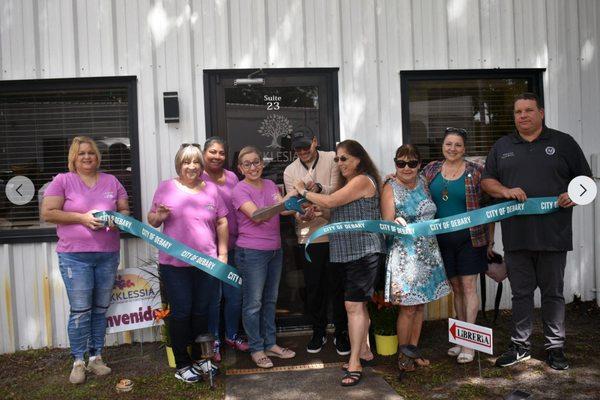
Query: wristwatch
{"x": 319, "y": 186}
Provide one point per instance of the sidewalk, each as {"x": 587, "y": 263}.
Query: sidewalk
{"x": 306, "y": 376}
{"x": 307, "y": 385}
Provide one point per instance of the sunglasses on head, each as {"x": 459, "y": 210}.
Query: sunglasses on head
{"x": 460, "y": 131}
{"x": 402, "y": 163}
{"x": 342, "y": 159}
{"x": 190, "y": 144}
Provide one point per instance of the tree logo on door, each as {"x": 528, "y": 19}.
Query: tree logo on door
{"x": 275, "y": 126}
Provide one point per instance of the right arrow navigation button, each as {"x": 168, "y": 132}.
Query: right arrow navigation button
{"x": 582, "y": 190}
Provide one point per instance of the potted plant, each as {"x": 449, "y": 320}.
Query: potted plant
{"x": 383, "y": 320}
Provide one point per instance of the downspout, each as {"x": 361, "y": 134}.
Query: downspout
{"x": 596, "y": 173}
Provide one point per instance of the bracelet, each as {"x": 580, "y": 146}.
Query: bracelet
{"x": 319, "y": 186}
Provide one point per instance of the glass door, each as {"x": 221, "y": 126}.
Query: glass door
{"x": 265, "y": 116}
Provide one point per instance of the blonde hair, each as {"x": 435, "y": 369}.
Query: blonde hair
{"x": 249, "y": 150}
{"x": 74, "y": 150}
{"x": 188, "y": 153}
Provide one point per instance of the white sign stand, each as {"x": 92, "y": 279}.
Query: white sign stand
{"x": 476, "y": 337}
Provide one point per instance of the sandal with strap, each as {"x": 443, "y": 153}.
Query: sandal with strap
{"x": 465, "y": 358}
{"x": 406, "y": 364}
{"x": 263, "y": 362}
{"x": 285, "y": 353}
{"x": 363, "y": 362}
{"x": 353, "y": 376}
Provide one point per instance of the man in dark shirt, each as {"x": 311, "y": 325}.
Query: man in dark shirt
{"x": 535, "y": 161}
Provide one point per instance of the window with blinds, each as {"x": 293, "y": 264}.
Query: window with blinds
{"x": 38, "y": 120}
{"x": 480, "y": 101}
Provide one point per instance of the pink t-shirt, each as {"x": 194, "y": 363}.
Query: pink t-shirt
{"x": 226, "y": 191}
{"x": 251, "y": 235}
{"x": 193, "y": 218}
{"x": 103, "y": 196}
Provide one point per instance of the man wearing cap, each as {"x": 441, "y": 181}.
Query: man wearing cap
{"x": 322, "y": 279}
{"x": 535, "y": 161}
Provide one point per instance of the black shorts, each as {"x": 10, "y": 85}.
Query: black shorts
{"x": 360, "y": 277}
{"x": 459, "y": 255}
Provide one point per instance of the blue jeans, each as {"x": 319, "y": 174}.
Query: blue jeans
{"x": 89, "y": 280}
{"x": 187, "y": 290}
{"x": 232, "y": 309}
{"x": 261, "y": 272}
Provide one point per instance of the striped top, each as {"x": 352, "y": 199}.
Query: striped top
{"x": 350, "y": 246}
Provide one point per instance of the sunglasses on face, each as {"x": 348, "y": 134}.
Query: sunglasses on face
{"x": 338, "y": 159}
{"x": 460, "y": 131}
{"x": 248, "y": 164}
{"x": 190, "y": 144}
{"x": 401, "y": 163}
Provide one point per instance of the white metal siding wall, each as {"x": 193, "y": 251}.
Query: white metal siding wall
{"x": 168, "y": 44}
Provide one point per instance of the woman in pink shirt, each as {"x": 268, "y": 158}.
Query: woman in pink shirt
{"x": 215, "y": 153}
{"x": 191, "y": 211}
{"x": 258, "y": 255}
{"x": 88, "y": 253}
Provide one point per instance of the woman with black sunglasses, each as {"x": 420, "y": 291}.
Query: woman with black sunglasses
{"x": 358, "y": 252}
{"x": 455, "y": 188}
{"x": 414, "y": 270}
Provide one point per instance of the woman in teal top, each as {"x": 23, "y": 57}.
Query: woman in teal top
{"x": 454, "y": 184}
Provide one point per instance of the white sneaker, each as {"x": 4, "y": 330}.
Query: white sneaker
{"x": 97, "y": 366}
{"x": 78, "y": 372}
{"x": 201, "y": 367}
{"x": 187, "y": 375}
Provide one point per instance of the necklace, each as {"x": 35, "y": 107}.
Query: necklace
{"x": 446, "y": 182}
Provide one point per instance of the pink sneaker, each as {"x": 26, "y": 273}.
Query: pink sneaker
{"x": 217, "y": 351}
{"x": 237, "y": 343}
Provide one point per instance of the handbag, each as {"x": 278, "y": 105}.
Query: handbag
{"x": 497, "y": 271}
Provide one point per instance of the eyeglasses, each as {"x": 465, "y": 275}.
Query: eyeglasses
{"x": 460, "y": 131}
{"x": 401, "y": 163}
{"x": 337, "y": 159}
{"x": 190, "y": 144}
{"x": 248, "y": 164}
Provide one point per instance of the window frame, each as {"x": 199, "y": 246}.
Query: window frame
{"x": 129, "y": 82}
{"x": 534, "y": 75}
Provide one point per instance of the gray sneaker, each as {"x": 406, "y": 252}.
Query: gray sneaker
{"x": 98, "y": 367}
{"x": 78, "y": 372}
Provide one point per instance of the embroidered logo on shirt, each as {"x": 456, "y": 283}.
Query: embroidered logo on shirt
{"x": 109, "y": 195}
{"x": 550, "y": 150}
{"x": 211, "y": 207}
{"x": 506, "y": 155}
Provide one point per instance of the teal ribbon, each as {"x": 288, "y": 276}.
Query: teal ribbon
{"x": 294, "y": 203}
{"x": 481, "y": 216}
{"x": 172, "y": 247}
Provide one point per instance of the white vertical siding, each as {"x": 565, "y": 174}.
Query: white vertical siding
{"x": 167, "y": 44}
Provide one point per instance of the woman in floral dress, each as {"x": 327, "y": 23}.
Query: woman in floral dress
{"x": 415, "y": 272}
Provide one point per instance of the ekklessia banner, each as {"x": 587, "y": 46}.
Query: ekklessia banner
{"x": 135, "y": 297}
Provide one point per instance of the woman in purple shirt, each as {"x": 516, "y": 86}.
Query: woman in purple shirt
{"x": 88, "y": 253}
{"x": 258, "y": 256}
{"x": 215, "y": 152}
{"x": 191, "y": 211}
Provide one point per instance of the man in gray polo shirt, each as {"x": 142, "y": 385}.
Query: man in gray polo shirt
{"x": 323, "y": 280}
{"x": 535, "y": 161}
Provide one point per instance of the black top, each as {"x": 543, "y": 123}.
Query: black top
{"x": 543, "y": 167}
